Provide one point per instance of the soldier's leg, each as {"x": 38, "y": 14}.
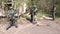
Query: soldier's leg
{"x": 31, "y": 18}
{"x": 15, "y": 23}
{"x": 9, "y": 25}
{"x": 53, "y": 15}
{"x": 35, "y": 19}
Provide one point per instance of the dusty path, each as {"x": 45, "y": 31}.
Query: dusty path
{"x": 49, "y": 27}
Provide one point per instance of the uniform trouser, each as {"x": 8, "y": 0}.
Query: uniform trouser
{"x": 53, "y": 15}
{"x": 33, "y": 19}
{"x": 11, "y": 23}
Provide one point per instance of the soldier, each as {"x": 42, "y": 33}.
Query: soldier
{"x": 12, "y": 18}
{"x": 53, "y": 12}
{"x": 33, "y": 14}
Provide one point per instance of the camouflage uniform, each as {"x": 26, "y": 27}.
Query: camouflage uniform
{"x": 12, "y": 19}
{"x": 53, "y": 12}
{"x": 33, "y": 15}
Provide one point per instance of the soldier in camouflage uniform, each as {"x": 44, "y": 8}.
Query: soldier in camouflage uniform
{"x": 12, "y": 18}
{"x": 53, "y": 12}
{"x": 33, "y": 15}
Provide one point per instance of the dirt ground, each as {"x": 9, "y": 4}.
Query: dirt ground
{"x": 43, "y": 26}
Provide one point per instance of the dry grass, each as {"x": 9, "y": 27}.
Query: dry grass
{"x": 58, "y": 20}
{"x": 3, "y": 21}
{"x": 23, "y": 21}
